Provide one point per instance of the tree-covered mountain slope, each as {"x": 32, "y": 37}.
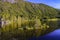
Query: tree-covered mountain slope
{"x": 25, "y": 19}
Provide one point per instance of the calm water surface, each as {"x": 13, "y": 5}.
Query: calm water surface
{"x": 55, "y": 35}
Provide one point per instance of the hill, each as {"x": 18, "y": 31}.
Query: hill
{"x": 25, "y": 19}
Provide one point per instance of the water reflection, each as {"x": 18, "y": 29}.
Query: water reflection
{"x": 55, "y": 35}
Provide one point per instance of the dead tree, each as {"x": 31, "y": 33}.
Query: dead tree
{"x": 0, "y": 22}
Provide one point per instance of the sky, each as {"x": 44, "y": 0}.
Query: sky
{"x": 53, "y": 3}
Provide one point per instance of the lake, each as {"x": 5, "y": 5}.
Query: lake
{"x": 55, "y": 35}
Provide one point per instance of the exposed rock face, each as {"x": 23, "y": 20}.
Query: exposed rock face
{"x": 11, "y": 1}
{"x": 4, "y": 22}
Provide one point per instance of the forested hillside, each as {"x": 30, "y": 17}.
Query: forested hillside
{"x": 24, "y": 19}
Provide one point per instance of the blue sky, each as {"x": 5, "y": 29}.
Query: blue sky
{"x": 53, "y": 3}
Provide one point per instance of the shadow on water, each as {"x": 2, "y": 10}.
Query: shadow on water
{"x": 55, "y": 35}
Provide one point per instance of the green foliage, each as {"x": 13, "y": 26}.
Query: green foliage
{"x": 26, "y": 19}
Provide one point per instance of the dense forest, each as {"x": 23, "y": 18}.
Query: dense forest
{"x": 22, "y": 20}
